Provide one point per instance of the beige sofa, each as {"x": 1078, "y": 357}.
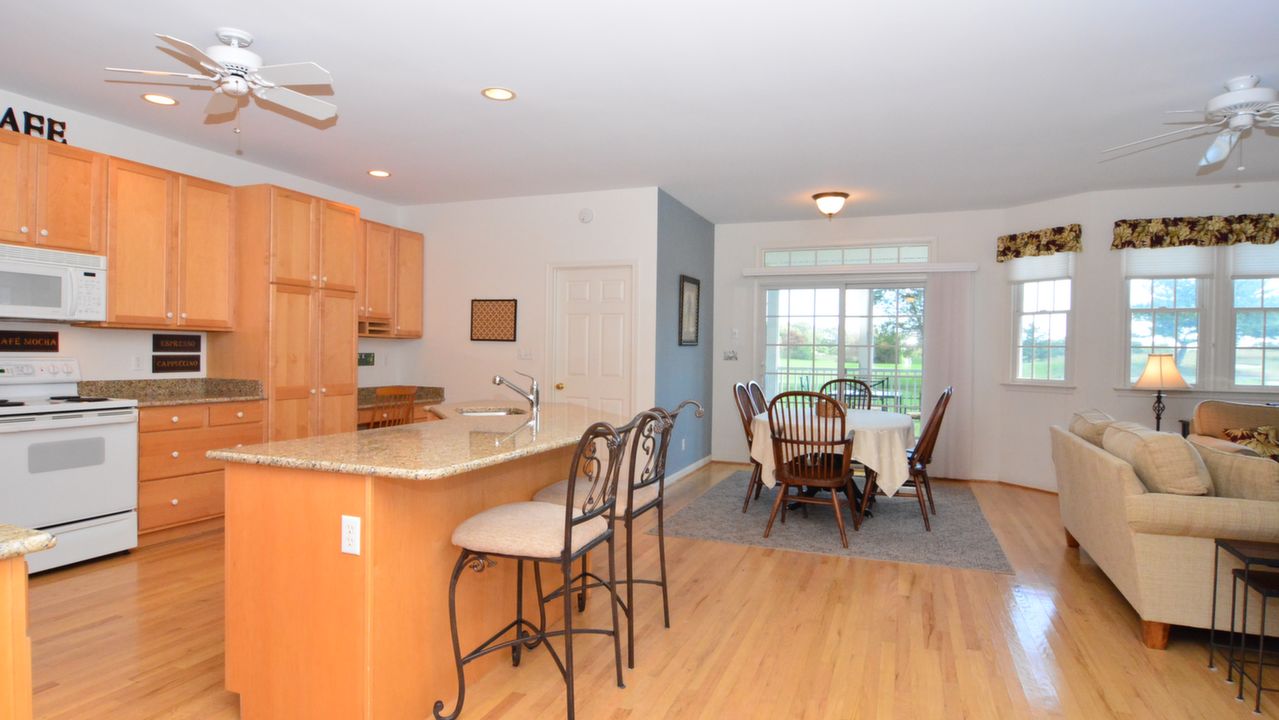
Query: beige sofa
{"x": 1212, "y": 418}
{"x": 1158, "y": 547}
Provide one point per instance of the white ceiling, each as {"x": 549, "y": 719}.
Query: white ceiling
{"x": 741, "y": 109}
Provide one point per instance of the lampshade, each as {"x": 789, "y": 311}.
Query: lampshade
{"x": 830, "y": 203}
{"x": 1161, "y": 373}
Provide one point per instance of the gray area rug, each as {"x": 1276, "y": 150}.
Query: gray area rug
{"x": 961, "y": 537}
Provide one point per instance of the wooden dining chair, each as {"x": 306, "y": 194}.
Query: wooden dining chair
{"x": 854, "y": 394}
{"x": 918, "y": 459}
{"x": 746, "y": 411}
{"x": 758, "y": 398}
{"x": 394, "y": 406}
{"x": 811, "y": 449}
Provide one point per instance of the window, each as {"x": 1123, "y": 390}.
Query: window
{"x": 851, "y": 255}
{"x": 875, "y": 334}
{"x": 1163, "y": 317}
{"x": 1043, "y": 318}
{"x": 1256, "y": 321}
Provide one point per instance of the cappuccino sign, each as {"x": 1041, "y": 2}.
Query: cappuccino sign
{"x": 34, "y": 125}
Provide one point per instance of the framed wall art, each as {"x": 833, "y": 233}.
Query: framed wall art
{"x": 493, "y": 320}
{"x": 690, "y": 299}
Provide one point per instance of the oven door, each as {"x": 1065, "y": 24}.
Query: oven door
{"x": 70, "y": 466}
{"x": 35, "y": 291}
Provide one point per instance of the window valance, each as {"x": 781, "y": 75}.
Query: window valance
{"x": 1204, "y": 231}
{"x": 1063, "y": 238}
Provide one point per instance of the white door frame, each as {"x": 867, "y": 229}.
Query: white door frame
{"x": 553, "y": 313}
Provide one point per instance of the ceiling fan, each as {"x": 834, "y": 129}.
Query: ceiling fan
{"x": 1243, "y": 107}
{"x": 235, "y": 72}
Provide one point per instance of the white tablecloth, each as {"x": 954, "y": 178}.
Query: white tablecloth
{"x": 880, "y": 440}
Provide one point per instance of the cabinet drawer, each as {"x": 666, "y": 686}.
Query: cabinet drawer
{"x": 235, "y": 413}
{"x": 181, "y": 452}
{"x": 181, "y": 499}
{"x": 175, "y": 417}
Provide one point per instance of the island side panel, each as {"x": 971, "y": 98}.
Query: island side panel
{"x": 412, "y": 559}
{"x": 15, "y": 644}
{"x": 296, "y": 606}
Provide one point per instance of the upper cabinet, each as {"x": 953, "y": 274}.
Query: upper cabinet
{"x": 51, "y": 195}
{"x": 339, "y": 240}
{"x": 170, "y": 241}
{"x": 313, "y": 241}
{"x": 390, "y": 302}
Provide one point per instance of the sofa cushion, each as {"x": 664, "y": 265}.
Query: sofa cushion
{"x": 1241, "y": 476}
{"x": 1165, "y": 462}
{"x": 1263, "y": 440}
{"x": 1090, "y": 425}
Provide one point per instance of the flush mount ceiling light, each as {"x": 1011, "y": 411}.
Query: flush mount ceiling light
{"x": 380, "y": 173}
{"x": 500, "y": 94}
{"x": 158, "y": 99}
{"x": 829, "y": 203}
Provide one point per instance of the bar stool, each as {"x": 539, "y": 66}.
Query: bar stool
{"x": 645, "y": 491}
{"x": 539, "y": 532}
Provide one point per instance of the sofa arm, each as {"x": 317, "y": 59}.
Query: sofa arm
{"x": 1203, "y": 516}
{"x": 1216, "y": 443}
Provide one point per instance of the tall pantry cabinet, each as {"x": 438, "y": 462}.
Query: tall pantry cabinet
{"x": 296, "y": 325}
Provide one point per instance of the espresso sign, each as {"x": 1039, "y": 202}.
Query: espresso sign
{"x": 163, "y": 343}
{"x": 175, "y": 363}
{"x": 28, "y": 341}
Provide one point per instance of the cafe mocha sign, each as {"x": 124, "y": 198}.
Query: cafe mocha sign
{"x": 34, "y": 124}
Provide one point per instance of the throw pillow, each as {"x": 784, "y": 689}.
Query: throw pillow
{"x": 1090, "y": 425}
{"x": 1263, "y": 440}
{"x": 1164, "y": 462}
{"x": 1241, "y": 476}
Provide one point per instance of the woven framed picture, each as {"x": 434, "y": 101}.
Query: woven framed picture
{"x": 493, "y": 320}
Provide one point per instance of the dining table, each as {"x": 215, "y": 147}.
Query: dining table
{"x": 880, "y": 440}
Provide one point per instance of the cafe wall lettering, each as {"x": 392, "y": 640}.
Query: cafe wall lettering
{"x": 175, "y": 363}
{"x": 34, "y": 124}
{"x": 28, "y": 341}
{"x": 168, "y": 343}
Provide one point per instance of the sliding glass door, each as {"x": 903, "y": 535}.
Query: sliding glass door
{"x": 873, "y": 333}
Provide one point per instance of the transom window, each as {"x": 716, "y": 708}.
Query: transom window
{"x": 850, "y": 255}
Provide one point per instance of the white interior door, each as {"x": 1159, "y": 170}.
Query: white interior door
{"x": 591, "y": 332}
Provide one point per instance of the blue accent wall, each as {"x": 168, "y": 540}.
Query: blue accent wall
{"x": 685, "y": 246}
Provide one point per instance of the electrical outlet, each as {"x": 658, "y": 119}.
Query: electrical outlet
{"x": 137, "y": 362}
{"x": 351, "y": 534}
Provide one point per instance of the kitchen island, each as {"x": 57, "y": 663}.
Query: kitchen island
{"x": 315, "y": 632}
{"x": 15, "y": 644}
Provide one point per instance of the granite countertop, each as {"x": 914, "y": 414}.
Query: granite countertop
{"x": 426, "y": 395}
{"x": 16, "y": 541}
{"x": 427, "y": 451}
{"x": 185, "y": 391}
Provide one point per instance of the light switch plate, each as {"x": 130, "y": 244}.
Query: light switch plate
{"x": 351, "y": 534}
{"x": 364, "y": 359}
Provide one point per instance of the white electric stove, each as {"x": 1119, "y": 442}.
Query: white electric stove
{"x": 68, "y": 464}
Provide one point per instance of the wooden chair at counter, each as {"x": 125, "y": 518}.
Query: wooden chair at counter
{"x": 854, "y": 394}
{"x": 746, "y": 411}
{"x": 758, "y": 399}
{"x": 394, "y": 406}
{"x": 812, "y": 450}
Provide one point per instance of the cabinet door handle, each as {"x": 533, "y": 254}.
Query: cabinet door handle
{"x": 240, "y": 414}
{"x": 169, "y": 315}
{"x": 314, "y": 278}
{"x": 312, "y": 391}
{"x": 24, "y": 230}
{"x": 175, "y": 419}
{"x": 174, "y": 502}
{"x": 323, "y": 390}
{"x": 324, "y": 278}
{"x": 183, "y": 316}
{"x": 44, "y": 233}
{"x": 175, "y": 454}
{"x": 239, "y": 445}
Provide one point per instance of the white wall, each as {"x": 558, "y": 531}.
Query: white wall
{"x": 1008, "y": 432}
{"x": 506, "y": 248}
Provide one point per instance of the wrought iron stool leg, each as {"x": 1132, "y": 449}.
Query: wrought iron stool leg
{"x": 630, "y": 594}
{"x": 581, "y": 594}
{"x": 661, "y": 560}
{"x": 612, "y": 589}
{"x": 519, "y": 613}
{"x": 566, "y": 567}
{"x": 438, "y": 710}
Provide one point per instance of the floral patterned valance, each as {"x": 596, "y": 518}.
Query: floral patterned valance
{"x": 1196, "y": 231}
{"x": 1064, "y": 238}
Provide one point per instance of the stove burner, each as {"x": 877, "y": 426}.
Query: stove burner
{"x": 77, "y": 399}
{"x": 11, "y": 403}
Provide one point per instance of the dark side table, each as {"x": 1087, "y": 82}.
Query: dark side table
{"x": 1252, "y": 555}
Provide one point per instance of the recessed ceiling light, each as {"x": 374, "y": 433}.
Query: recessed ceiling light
{"x": 380, "y": 173}
{"x": 498, "y": 93}
{"x": 158, "y": 99}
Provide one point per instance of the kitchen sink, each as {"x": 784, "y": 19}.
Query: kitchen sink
{"x": 491, "y": 411}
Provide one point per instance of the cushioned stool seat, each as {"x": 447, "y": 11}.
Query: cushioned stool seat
{"x": 528, "y": 529}
{"x": 557, "y": 494}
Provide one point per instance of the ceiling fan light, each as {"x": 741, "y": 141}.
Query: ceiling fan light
{"x": 158, "y": 99}
{"x": 829, "y": 203}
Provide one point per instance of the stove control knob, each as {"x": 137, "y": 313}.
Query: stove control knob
{"x": 28, "y": 370}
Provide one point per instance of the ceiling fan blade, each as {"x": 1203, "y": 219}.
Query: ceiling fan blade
{"x": 221, "y": 103}
{"x": 303, "y": 73}
{"x": 1220, "y": 148}
{"x": 1171, "y": 112}
{"x": 161, "y": 73}
{"x": 1164, "y": 135}
{"x": 194, "y": 53}
{"x": 297, "y": 102}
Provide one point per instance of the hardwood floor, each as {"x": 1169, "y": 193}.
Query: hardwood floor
{"x": 755, "y": 633}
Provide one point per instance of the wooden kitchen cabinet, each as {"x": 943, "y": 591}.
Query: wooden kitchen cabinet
{"x": 291, "y": 382}
{"x": 170, "y": 243}
{"x": 292, "y": 236}
{"x": 51, "y": 195}
{"x": 409, "y": 248}
{"x": 177, "y": 484}
{"x": 390, "y": 298}
{"x": 339, "y": 240}
{"x": 378, "y": 297}
{"x": 336, "y": 350}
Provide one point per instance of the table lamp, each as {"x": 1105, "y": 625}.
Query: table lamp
{"x": 1161, "y": 374}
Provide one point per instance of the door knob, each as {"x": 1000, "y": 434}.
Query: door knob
{"x": 559, "y": 386}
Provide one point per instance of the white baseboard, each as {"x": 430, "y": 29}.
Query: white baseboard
{"x": 695, "y": 466}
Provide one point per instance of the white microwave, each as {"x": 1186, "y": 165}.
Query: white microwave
{"x": 38, "y": 284}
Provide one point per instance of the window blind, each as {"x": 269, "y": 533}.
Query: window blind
{"x": 1249, "y": 259}
{"x": 1042, "y": 267}
{"x": 1169, "y": 262}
